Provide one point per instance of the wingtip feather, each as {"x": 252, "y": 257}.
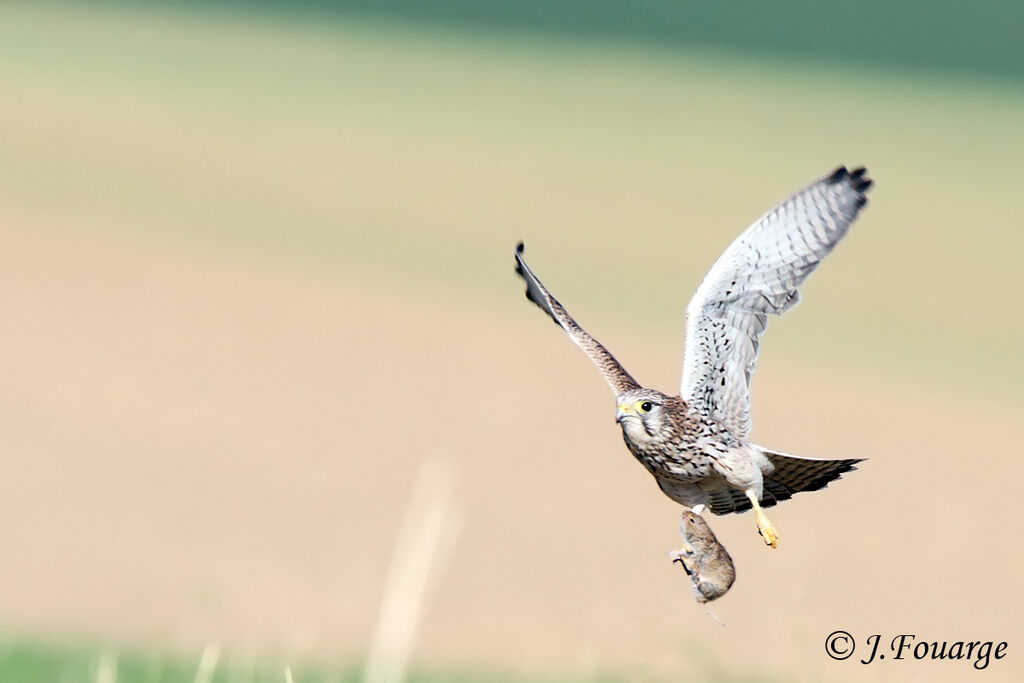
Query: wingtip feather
{"x": 519, "y": 259}
{"x": 837, "y": 175}
{"x": 858, "y": 177}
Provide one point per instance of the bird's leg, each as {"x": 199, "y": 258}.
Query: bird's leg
{"x": 764, "y": 527}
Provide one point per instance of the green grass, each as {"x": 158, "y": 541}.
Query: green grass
{"x": 983, "y": 39}
{"x": 34, "y": 663}
{"x": 416, "y": 157}
{"x": 37, "y": 663}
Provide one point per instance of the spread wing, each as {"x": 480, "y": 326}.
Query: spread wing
{"x": 757, "y": 275}
{"x": 618, "y": 379}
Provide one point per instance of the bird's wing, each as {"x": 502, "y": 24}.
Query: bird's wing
{"x": 757, "y": 275}
{"x": 618, "y": 379}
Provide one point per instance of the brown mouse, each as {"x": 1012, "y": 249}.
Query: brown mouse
{"x": 705, "y": 559}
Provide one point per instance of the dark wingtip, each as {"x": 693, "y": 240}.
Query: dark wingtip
{"x": 838, "y": 174}
{"x": 535, "y": 291}
{"x": 857, "y": 178}
{"x": 857, "y": 175}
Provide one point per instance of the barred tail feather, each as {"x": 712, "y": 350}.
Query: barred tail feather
{"x": 794, "y": 474}
{"x": 791, "y": 474}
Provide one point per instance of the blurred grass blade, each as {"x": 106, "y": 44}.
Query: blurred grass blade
{"x": 106, "y": 671}
{"x": 424, "y": 542}
{"x": 208, "y": 663}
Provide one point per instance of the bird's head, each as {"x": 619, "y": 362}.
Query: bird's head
{"x": 644, "y": 414}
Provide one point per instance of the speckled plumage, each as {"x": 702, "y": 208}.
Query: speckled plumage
{"x": 695, "y": 444}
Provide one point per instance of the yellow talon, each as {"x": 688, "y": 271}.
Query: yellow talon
{"x": 764, "y": 527}
{"x": 767, "y": 531}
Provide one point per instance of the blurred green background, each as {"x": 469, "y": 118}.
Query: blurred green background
{"x": 951, "y": 37}
{"x": 394, "y": 147}
{"x": 401, "y": 149}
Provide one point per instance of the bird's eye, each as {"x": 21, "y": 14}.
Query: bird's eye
{"x": 646, "y": 406}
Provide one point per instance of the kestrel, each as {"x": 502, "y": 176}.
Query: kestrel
{"x": 695, "y": 443}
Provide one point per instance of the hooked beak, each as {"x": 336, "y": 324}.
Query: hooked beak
{"x": 620, "y": 415}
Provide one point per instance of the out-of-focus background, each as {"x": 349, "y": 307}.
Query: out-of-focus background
{"x": 257, "y": 279}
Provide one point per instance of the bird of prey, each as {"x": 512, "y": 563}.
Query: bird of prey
{"x": 695, "y": 443}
